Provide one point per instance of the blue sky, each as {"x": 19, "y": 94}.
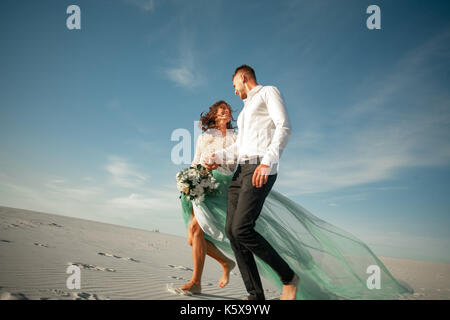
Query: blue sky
{"x": 86, "y": 116}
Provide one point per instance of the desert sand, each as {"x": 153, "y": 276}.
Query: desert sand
{"x": 118, "y": 262}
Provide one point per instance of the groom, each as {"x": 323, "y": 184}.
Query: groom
{"x": 264, "y": 130}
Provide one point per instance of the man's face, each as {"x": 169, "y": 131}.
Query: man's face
{"x": 239, "y": 88}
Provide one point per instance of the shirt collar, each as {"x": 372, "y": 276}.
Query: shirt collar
{"x": 252, "y": 92}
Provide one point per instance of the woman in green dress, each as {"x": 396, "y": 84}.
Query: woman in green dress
{"x": 216, "y": 125}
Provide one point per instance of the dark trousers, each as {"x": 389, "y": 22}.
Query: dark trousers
{"x": 245, "y": 202}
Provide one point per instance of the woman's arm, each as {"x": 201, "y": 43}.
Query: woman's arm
{"x": 198, "y": 151}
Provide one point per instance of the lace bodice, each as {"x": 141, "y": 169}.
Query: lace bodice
{"x": 211, "y": 141}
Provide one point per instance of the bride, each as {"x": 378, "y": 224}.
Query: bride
{"x": 216, "y": 124}
{"x": 332, "y": 263}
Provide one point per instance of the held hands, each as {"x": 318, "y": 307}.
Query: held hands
{"x": 210, "y": 162}
{"x": 261, "y": 175}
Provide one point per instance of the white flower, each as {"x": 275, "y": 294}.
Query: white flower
{"x": 181, "y": 186}
{"x": 192, "y": 173}
{"x": 205, "y": 183}
{"x": 200, "y": 198}
{"x": 199, "y": 190}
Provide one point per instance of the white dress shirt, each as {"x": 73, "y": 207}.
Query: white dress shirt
{"x": 263, "y": 129}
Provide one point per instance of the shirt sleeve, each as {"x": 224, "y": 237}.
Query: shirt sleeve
{"x": 230, "y": 153}
{"x": 198, "y": 151}
{"x": 283, "y": 131}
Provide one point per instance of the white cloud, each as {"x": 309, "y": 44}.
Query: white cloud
{"x": 122, "y": 173}
{"x": 332, "y": 205}
{"x": 185, "y": 75}
{"x": 412, "y": 133}
{"x": 79, "y": 193}
{"x": 89, "y": 179}
{"x": 58, "y": 181}
{"x": 182, "y": 76}
{"x": 138, "y": 205}
{"x": 51, "y": 197}
{"x": 164, "y": 201}
{"x": 186, "y": 70}
{"x": 145, "y": 5}
{"x": 372, "y": 154}
{"x": 404, "y": 245}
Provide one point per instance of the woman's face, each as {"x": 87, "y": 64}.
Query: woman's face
{"x": 223, "y": 115}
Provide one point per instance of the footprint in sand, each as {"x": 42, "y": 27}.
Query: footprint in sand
{"x": 55, "y": 225}
{"x": 180, "y": 267}
{"x": 106, "y": 254}
{"x": 40, "y": 245}
{"x": 117, "y": 257}
{"x": 181, "y": 278}
{"x": 25, "y": 223}
{"x": 87, "y": 296}
{"x": 61, "y": 293}
{"x": 12, "y": 296}
{"x": 78, "y": 295}
{"x": 90, "y": 266}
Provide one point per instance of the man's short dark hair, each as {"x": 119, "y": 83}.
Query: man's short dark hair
{"x": 246, "y": 69}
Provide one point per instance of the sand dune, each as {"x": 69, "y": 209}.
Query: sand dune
{"x": 119, "y": 262}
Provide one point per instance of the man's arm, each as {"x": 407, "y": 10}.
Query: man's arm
{"x": 283, "y": 130}
{"x": 230, "y": 152}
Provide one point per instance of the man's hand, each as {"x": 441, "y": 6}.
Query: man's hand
{"x": 210, "y": 163}
{"x": 260, "y": 175}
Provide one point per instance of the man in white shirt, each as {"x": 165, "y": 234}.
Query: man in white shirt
{"x": 264, "y": 130}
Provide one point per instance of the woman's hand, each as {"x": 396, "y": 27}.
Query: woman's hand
{"x": 211, "y": 166}
{"x": 210, "y": 162}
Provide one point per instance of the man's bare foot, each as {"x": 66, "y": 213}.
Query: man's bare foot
{"x": 192, "y": 287}
{"x": 290, "y": 290}
{"x": 226, "y": 273}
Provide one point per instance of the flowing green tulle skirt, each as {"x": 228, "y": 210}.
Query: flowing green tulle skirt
{"x": 331, "y": 263}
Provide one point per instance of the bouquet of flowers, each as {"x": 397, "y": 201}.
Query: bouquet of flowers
{"x": 196, "y": 182}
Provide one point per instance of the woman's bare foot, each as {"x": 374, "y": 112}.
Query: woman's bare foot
{"x": 230, "y": 264}
{"x": 192, "y": 287}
